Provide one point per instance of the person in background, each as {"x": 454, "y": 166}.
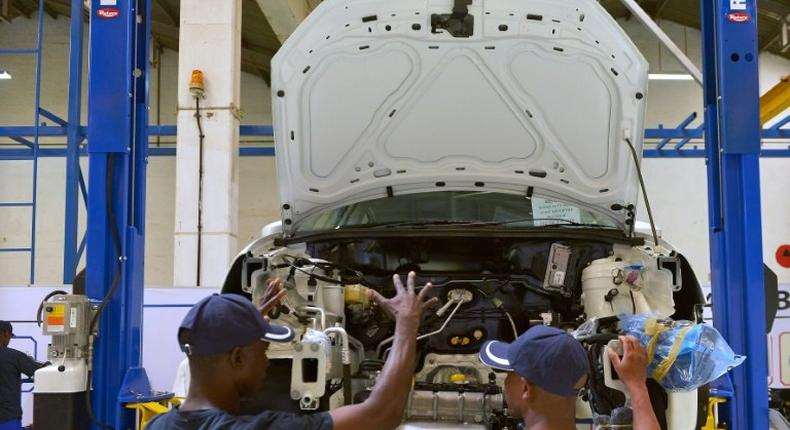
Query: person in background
{"x": 546, "y": 367}
{"x": 13, "y": 364}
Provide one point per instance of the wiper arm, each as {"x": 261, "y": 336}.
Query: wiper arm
{"x": 394, "y": 224}
{"x": 554, "y": 222}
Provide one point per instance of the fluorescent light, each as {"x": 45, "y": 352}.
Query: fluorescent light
{"x": 4, "y": 74}
{"x": 669, "y": 77}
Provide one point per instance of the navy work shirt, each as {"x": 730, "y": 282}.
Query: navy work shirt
{"x": 214, "y": 419}
{"x": 12, "y": 364}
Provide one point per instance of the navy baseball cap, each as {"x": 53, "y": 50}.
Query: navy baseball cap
{"x": 546, "y": 356}
{"x": 221, "y": 322}
{"x": 6, "y": 326}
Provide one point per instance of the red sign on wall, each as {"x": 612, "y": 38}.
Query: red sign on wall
{"x": 783, "y": 256}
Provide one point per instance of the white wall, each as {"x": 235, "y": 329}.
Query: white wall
{"x": 677, "y": 188}
{"x": 258, "y": 194}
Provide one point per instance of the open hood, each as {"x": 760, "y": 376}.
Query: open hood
{"x": 379, "y": 97}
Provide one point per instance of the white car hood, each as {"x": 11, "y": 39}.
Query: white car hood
{"x": 369, "y": 102}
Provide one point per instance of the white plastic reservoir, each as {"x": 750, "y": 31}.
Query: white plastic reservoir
{"x": 608, "y": 290}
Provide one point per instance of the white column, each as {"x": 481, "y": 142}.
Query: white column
{"x": 209, "y": 40}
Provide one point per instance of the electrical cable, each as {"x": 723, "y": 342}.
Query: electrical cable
{"x": 512, "y": 324}
{"x": 116, "y": 240}
{"x": 644, "y": 189}
{"x": 500, "y": 308}
{"x": 292, "y": 264}
{"x": 44, "y": 300}
{"x": 201, "y": 138}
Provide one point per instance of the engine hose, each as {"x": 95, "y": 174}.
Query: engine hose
{"x": 347, "y": 397}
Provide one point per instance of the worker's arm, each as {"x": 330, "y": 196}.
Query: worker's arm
{"x": 27, "y": 365}
{"x": 632, "y": 370}
{"x": 384, "y": 408}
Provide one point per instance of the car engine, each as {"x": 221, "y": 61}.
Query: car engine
{"x": 488, "y": 288}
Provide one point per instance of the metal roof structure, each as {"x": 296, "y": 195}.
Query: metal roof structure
{"x": 260, "y": 41}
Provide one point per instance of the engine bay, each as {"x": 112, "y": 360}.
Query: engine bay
{"x": 488, "y": 288}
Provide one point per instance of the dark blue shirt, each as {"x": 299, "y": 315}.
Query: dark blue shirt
{"x": 12, "y": 364}
{"x": 214, "y": 419}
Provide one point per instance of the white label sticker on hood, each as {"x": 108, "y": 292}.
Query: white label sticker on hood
{"x": 546, "y": 212}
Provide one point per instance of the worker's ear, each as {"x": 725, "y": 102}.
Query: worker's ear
{"x": 236, "y": 358}
{"x": 528, "y": 390}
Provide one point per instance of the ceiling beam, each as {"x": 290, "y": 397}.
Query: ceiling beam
{"x": 171, "y": 14}
{"x": 67, "y": 5}
{"x": 773, "y": 8}
{"x": 660, "y": 9}
{"x": 50, "y": 11}
{"x": 17, "y": 6}
{"x": 284, "y": 15}
{"x": 5, "y": 11}
{"x": 770, "y": 40}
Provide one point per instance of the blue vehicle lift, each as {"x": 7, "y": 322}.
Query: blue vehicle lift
{"x": 732, "y": 144}
{"x": 117, "y": 153}
{"x": 118, "y": 133}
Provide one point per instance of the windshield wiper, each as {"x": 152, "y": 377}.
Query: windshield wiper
{"x": 554, "y": 222}
{"x": 550, "y": 222}
{"x": 395, "y": 224}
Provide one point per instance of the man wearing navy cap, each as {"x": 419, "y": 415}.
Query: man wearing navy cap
{"x": 13, "y": 363}
{"x": 546, "y": 369}
{"x": 226, "y": 337}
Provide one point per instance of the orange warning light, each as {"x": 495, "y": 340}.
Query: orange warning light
{"x": 196, "y": 86}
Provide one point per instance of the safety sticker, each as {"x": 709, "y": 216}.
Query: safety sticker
{"x": 56, "y": 318}
{"x": 73, "y": 318}
{"x": 737, "y": 4}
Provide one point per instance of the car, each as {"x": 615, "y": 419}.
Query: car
{"x": 492, "y": 147}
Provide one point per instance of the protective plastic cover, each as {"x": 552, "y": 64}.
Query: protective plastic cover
{"x": 369, "y": 100}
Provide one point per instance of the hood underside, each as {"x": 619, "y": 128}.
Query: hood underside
{"x": 370, "y": 99}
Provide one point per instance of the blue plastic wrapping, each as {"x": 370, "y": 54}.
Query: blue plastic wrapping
{"x": 686, "y": 355}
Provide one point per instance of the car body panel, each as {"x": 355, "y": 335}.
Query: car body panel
{"x": 368, "y": 101}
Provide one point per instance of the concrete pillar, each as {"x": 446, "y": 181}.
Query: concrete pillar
{"x": 207, "y": 214}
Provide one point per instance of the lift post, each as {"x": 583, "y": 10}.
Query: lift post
{"x": 117, "y": 150}
{"x": 732, "y": 144}
{"x": 73, "y": 139}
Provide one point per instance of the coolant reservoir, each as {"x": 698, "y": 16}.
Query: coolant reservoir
{"x": 605, "y": 292}
{"x": 609, "y": 283}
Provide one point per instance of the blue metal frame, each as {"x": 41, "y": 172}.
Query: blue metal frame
{"x": 34, "y": 145}
{"x": 663, "y": 149}
{"x": 732, "y": 136}
{"x": 117, "y": 151}
{"x": 74, "y": 136}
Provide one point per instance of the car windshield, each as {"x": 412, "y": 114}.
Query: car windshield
{"x": 461, "y": 208}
